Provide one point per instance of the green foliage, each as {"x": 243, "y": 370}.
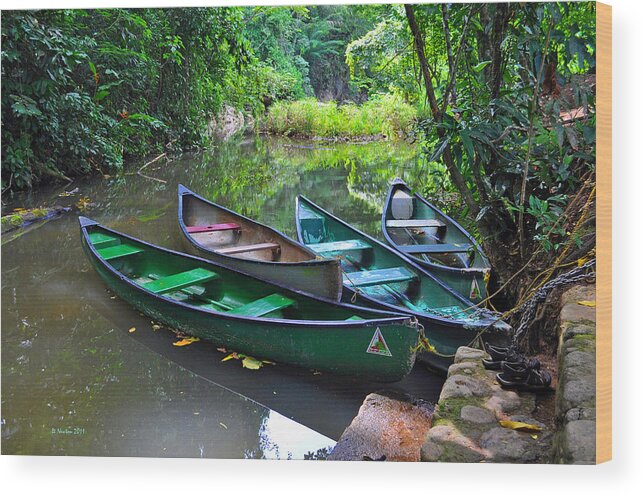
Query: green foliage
{"x": 492, "y": 139}
{"x": 387, "y": 115}
{"x": 84, "y": 89}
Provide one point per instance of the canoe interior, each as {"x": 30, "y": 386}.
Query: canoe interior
{"x": 208, "y": 286}
{"x": 236, "y": 236}
{"x": 411, "y": 222}
{"x": 376, "y": 271}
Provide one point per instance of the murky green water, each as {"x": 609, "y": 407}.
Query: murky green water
{"x": 75, "y": 381}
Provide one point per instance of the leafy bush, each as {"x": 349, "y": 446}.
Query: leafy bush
{"x": 387, "y": 115}
{"x": 84, "y": 89}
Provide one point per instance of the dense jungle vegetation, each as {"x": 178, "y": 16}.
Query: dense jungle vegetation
{"x": 499, "y": 96}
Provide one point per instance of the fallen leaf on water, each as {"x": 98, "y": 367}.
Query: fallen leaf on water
{"x": 223, "y": 425}
{"x": 251, "y": 363}
{"x": 222, "y": 350}
{"x": 83, "y": 203}
{"x": 519, "y": 426}
{"x": 269, "y": 362}
{"x": 132, "y": 329}
{"x": 155, "y": 327}
{"x": 587, "y": 303}
{"x": 230, "y": 357}
{"x": 186, "y": 341}
{"x": 534, "y": 436}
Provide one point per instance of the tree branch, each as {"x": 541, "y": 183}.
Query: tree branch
{"x": 456, "y": 176}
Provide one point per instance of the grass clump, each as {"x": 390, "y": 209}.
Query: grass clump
{"x": 384, "y": 115}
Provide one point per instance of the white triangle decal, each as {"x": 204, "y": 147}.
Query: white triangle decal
{"x": 378, "y": 346}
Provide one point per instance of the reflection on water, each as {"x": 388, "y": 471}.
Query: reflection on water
{"x": 75, "y": 381}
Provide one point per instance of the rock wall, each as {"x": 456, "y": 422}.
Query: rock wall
{"x": 229, "y": 122}
{"x": 575, "y": 441}
{"x": 466, "y": 420}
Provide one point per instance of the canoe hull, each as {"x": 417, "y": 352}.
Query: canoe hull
{"x": 445, "y": 334}
{"x": 316, "y": 277}
{"x": 325, "y": 346}
{"x": 446, "y": 337}
{"x": 470, "y": 282}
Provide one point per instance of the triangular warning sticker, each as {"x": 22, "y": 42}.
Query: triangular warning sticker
{"x": 378, "y": 346}
{"x": 475, "y": 290}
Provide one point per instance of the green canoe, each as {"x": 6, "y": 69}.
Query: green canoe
{"x": 422, "y": 232}
{"x": 379, "y": 277}
{"x": 221, "y": 235}
{"x": 250, "y": 315}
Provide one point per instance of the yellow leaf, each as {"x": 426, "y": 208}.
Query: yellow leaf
{"x": 251, "y": 363}
{"x": 587, "y": 303}
{"x": 132, "y": 329}
{"x": 186, "y": 341}
{"x": 155, "y": 327}
{"x": 534, "y": 436}
{"x": 230, "y": 357}
{"x": 519, "y": 426}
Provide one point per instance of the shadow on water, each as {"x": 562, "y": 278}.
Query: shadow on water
{"x": 76, "y": 381}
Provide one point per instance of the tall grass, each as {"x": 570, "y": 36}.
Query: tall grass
{"x": 386, "y": 115}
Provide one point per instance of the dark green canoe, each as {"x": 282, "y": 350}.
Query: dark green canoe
{"x": 422, "y": 232}
{"x": 229, "y": 238}
{"x": 380, "y": 277}
{"x": 249, "y": 315}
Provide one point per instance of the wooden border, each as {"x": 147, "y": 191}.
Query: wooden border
{"x": 603, "y": 232}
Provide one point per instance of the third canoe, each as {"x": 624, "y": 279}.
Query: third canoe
{"x": 419, "y": 230}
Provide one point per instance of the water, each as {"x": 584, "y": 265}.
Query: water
{"x": 76, "y": 381}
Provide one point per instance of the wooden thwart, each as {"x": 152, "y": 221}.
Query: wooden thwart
{"x": 263, "y": 306}
{"x": 246, "y": 248}
{"x": 410, "y": 223}
{"x": 340, "y": 246}
{"x": 436, "y": 248}
{"x": 118, "y": 251}
{"x": 212, "y": 227}
{"x": 177, "y": 282}
{"x": 100, "y": 240}
{"x": 378, "y": 276}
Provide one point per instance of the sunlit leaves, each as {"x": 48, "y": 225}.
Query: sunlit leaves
{"x": 186, "y": 341}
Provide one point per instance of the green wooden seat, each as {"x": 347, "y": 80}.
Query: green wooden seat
{"x": 177, "y": 282}
{"x": 263, "y": 306}
{"x": 378, "y": 276}
{"x": 435, "y": 248}
{"x": 100, "y": 240}
{"x": 340, "y": 246}
{"x": 118, "y": 251}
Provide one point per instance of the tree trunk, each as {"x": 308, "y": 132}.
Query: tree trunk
{"x": 493, "y": 225}
{"x": 499, "y": 25}
{"x": 454, "y": 172}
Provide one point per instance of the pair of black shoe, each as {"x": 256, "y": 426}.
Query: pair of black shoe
{"x": 518, "y": 371}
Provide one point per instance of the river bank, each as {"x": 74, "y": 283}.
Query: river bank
{"x": 475, "y": 420}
